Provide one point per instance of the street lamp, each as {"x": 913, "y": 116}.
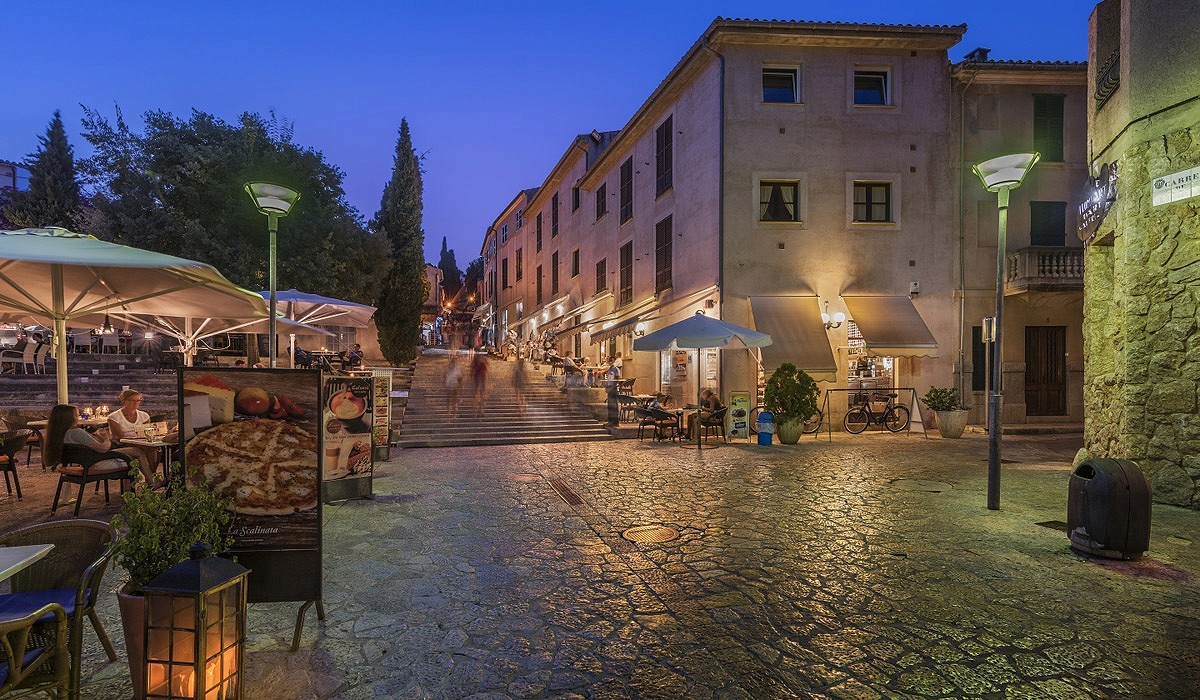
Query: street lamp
{"x": 274, "y": 201}
{"x": 1000, "y": 175}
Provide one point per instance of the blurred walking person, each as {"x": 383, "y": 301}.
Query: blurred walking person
{"x": 479, "y": 372}
{"x": 520, "y": 379}
{"x": 454, "y": 378}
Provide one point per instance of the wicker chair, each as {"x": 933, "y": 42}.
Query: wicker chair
{"x": 70, "y": 575}
{"x": 10, "y": 444}
{"x": 80, "y": 466}
{"x": 33, "y": 652}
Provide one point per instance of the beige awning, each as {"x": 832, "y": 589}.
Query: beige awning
{"x": 620, "y": 321}
{"x": 569, "y": 331}
{"x": 797, "y": 333}
{"x": 891, "y": 326}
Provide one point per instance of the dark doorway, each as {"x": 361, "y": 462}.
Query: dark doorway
{"x": 1045, "y": 370}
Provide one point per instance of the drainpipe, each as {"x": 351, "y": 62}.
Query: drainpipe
{"x": 720, "y": 192}
{"x": 962, "y": 280}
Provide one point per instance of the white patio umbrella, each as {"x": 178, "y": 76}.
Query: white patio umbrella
{"x": 58, "y": 275}
{"x": 189, "y": 331}
{"x": 316, "y": 309}
{"x": 699, "y": 332}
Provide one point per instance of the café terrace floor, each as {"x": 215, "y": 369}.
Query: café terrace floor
{"x": 862, "y": 567}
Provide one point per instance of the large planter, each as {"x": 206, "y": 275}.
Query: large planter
{"x": 133, "y": 622}
{"x": 951, "y": 424}
{"x": 789, "y": 430}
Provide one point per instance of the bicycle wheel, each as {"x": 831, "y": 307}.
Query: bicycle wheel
{"x": 896, "y": 418}
{"x": 856, "y": 420}
{"x": 752, "y": 420}
{"x": 813, "y": 424}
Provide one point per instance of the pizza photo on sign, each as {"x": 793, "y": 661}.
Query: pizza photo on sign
{"x": 266, "y": 466}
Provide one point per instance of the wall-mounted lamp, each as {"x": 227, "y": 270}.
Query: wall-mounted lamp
{"x": 640, "y": 329}
{"x": 834, "y": 321}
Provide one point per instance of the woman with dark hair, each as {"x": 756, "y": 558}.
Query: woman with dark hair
{"x": 63, "y": 429}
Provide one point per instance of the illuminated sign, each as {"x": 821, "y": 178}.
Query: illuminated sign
{"x": 1175, "y": 187}
{"x": 1098, "y": 197}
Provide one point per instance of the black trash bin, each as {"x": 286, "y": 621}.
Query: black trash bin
{"x": 1108, "y": 509}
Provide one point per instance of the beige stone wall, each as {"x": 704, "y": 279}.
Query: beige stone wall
{"x": 1142, "y": 342}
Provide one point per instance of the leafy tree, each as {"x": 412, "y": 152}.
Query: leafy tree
{"x": 53, "y": 195}
{"x": 178, "y": 188}
{"x": 405, "y": 289}
{"x": 451, "y": 275}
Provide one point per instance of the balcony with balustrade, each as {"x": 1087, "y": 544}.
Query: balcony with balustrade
{"x": 1044, "y": 269}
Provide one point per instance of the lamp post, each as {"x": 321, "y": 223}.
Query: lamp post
{"x": 275, "y": 201}
{"x": 1000, "y": 175}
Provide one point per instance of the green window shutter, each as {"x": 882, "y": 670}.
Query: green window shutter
{"x": 1048, "y": 127}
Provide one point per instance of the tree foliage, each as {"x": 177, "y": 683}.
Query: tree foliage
{"x": 405, "y": 289}
{"x": 472, "y": 279}
{"x": 177, "y": 188}
{"x": 451, "y": 275}
{"x": 53, "y": 195}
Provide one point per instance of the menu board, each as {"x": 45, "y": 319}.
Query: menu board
{"x": 382, "y": 429}
{"x": 253, "y": 436}
{"x": 348, "y": 420}
{"x": 738, "y": 415}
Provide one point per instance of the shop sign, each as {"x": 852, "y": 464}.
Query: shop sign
{"x": 1097, "y": 198}
{"x": 1175, "y": 187}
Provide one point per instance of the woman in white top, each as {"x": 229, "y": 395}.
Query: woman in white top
{"x": 131, "y": 422}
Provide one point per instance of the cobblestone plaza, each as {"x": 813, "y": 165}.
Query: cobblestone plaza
{"x": 862, "y": 567}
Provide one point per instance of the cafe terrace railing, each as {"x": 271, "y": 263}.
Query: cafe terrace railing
{"x": 1044, "y": 269}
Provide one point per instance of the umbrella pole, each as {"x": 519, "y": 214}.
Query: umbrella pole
{"x": 60, "y": 331}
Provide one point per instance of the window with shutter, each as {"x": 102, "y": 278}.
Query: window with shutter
{"x": 554, "y": 274}
{"x": 662, "y": 255}
{"x": 625, "y": 296}
{"x": 602, "y": 275}
{"x": 627, "y": 190}
{"x": 1048, "y": 127}
{"x": 1048, "y": 223}
{"x": 663, "y": 150}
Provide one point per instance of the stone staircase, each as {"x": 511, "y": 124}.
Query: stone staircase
{"x": 429, "y": 420}
{"x": 92, "y": 379}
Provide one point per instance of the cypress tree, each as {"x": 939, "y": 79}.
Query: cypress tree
{"x": 404, "y": 291}
{"x": 451, "y": 275}
{"x": 53, "y": 196}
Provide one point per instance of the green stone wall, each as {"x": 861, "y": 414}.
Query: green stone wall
{"x": 1141, "y": 336}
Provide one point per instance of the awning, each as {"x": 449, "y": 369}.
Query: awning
{"x": 482, "y": 311}
{"x": 891, "y": 326}
{"x": 569, "y": 331}
{"x": 794, "y": 324}
{"x": 552, "y": 312}
{"x": 619, "y": 322}
{"x": 604, "y": 296}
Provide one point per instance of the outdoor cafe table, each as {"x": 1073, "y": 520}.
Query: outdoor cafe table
{"x": 14, "y": 559}
{"x": 323, "y": 359}
{"x": 165, "y": 448}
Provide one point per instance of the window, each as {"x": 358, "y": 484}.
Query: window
{"x": 504, "y": 233}
{"x": 625, "y": 295}
{"x": 780, "y": 85}
{"x": 627, "y": 190}
{"x": 1048, "y": 223}
{"x": 504, "y": 273}
{"x": 601, "y": 201}
{"x": 575, "y": 263}
{"x": 872, "y": 202}
{"x": 554, "y": 274}
{"x": 519, "y": 266}
{"x": 871, "y": 87}
{"x": 602, "y": 275}
{"x": 520, "y": 219}
{"x": 662, "y": 156}
{"x": 538, "y": 239}
{"x": 553, "y": 217}
{"x": 662, "y": 255}
{"x": 1048, "y": 127}
{"x": 574, "y": 199}
{"x": 538, "y": 285}
{"x": 778, "y": 200}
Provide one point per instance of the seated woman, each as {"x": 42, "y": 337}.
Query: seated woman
{"x": 63, "y": 430}
{"x": 709, "y": 403}
{"x": 131, "y": 422}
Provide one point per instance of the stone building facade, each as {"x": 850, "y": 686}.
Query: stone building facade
{"x": 1142, "y": 301}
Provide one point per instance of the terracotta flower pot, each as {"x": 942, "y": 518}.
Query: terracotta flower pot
{"x": 133, "y": 622}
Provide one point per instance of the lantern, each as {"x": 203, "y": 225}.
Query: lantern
{"x": 195, "y": 629}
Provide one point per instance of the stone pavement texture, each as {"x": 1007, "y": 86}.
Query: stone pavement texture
{"x": 865, "y": 567}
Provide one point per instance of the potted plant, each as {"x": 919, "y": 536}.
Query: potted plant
{"x": 155, "y": 530}
{"x": 792, "y": 396}
{"x": 951, "y": 414}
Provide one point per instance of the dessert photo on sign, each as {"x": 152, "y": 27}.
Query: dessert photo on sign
{"x": 347, "y": 422}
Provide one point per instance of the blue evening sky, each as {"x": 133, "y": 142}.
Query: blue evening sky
{"x": 493, "y": 92}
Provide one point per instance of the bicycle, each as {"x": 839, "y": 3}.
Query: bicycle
{"x": 894, "y": 416}
{"x": 811, "y": 425}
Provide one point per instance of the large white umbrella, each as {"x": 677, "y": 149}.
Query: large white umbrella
{"x": 189, "y": 331}
{"x": 316, "y": 309}
{"x": 57, "y": 275}
{"x": 699, "y": 332}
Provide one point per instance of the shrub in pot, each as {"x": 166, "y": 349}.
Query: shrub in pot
{"x": 791, "y": 394}
{"x": 951, "y": 414}
{"x": 155, "y": 531}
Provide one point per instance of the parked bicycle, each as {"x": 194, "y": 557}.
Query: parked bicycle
{"x": 812, "y": 425}
{"x": 893, "y": 416}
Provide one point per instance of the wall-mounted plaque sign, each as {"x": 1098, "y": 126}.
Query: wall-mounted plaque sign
{"x": 1097, "y": 198}
{"x": 1175, "y": 187}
